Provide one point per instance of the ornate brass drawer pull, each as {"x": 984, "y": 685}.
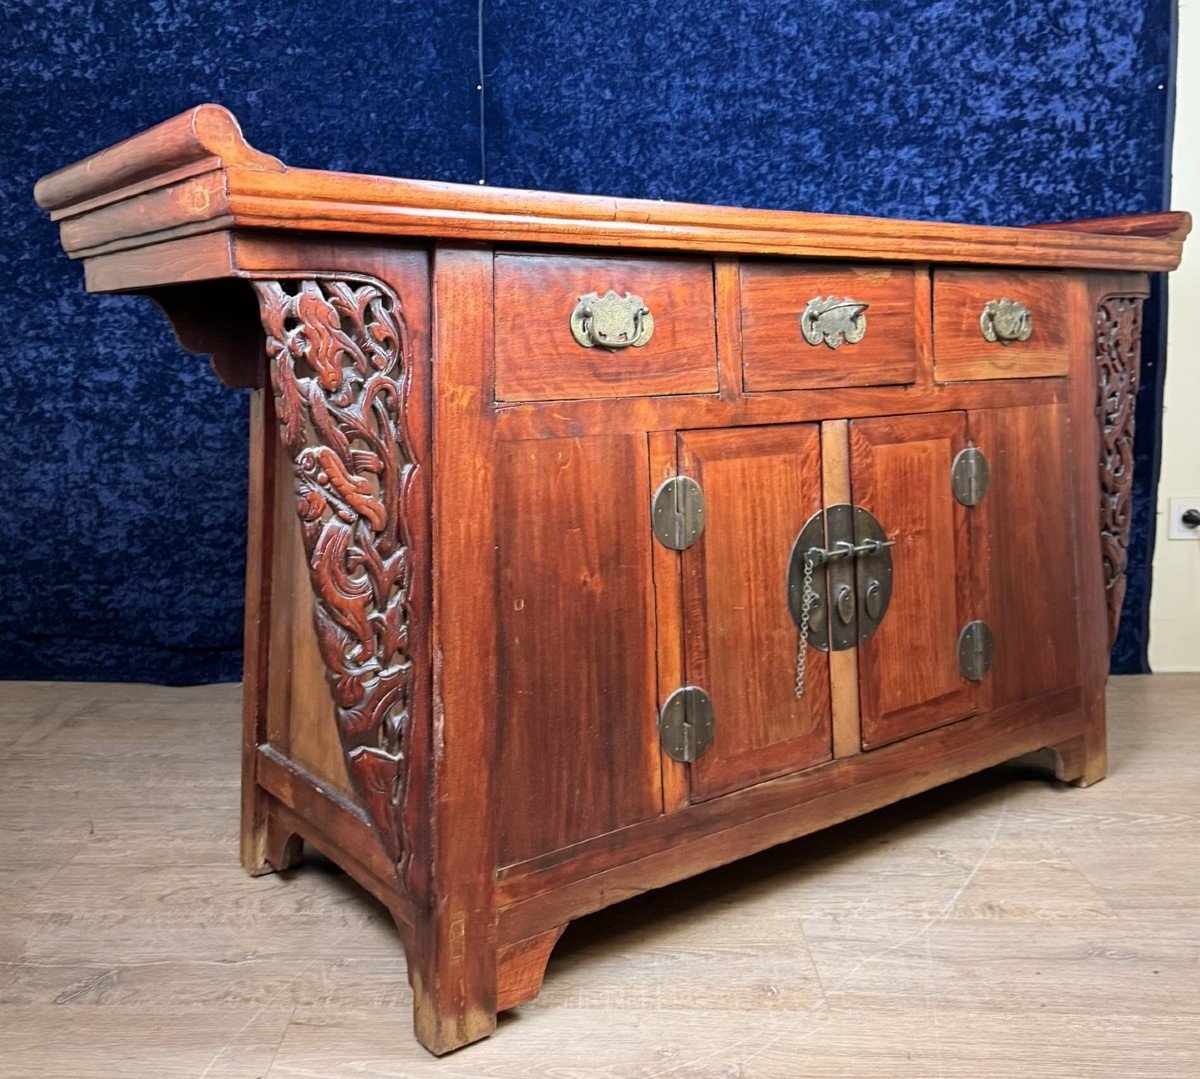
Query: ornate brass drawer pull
{"x": 1004, "y": 321}
{"x": 835, "y": 320}
{"x": 611, "y": 321}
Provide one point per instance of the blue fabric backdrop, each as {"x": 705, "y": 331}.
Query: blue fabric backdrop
{"x": 123, "y": 485}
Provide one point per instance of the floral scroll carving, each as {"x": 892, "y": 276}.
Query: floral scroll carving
{"x": 340, "y": 362}
{"x": 1118, "y": 350}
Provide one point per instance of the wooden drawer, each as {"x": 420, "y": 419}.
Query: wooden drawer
{"x": 539, "y": 359}
{"x": 961, "y": 351}
{"x": 776, "y": 355}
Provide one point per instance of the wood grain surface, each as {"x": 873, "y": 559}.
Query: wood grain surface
{"x": 576, "y": 741}
{"x": 999, "y": 927}
{"x": 1021, "y": 548}
{"x": 760, "y": 486}
{"x": 908, "y": 671}
{"x": 776, "y": 356}
{"x": 538, "y": 359}
{"x": 960, "y": 350}
{"x": 255, "y": 191}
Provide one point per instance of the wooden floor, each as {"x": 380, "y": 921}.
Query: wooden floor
{"x": 1003, "y": 926}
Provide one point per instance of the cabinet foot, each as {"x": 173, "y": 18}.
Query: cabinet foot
{"x": 1074, "y": 761}
{"x": 1095, "y": 768}
{"x": 444, "y": 1016}
{"x": 452, "y": 971}
{"x": 269, "y": 846}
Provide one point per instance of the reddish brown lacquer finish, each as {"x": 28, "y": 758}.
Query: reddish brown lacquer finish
{"x": 909, "y": 679}
{"x": 460, "y": 627}
{"x": 777, "y": 356}
{"x": 576, "y": 644}
{"x": 1022, "y": 552}
{"x": 960, "y": 350}
{"x": 760, "y": 484}
{"x": 537, "y": 358}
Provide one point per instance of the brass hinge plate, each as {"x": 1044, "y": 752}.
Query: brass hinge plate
{"x": 976, "y": 650}
{"x": 685, "y": 724}
{"x": 677, "y": 513}
{"x": 969, "y": 476}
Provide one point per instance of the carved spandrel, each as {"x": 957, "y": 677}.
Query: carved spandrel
{"x": 340, "y": 361}
{"x": 1118, "y": 352}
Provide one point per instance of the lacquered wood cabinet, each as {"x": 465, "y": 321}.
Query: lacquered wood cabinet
{"x": 594, "y": 543}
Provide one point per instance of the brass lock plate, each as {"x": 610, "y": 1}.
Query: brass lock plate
{"x": 872, "y": 572}
{"x": 851, "y": 561}
{"x": 811, "y": 537}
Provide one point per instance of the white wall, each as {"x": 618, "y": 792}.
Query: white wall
{"x": 1175, "y": 598}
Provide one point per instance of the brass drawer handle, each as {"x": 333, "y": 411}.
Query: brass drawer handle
{"x": 1004, "y": 321}
{"x": 835, "y": 320}
{"x": 611, "y": 321}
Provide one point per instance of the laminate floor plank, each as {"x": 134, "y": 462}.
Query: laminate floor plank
{"x": 1005, "y": 925}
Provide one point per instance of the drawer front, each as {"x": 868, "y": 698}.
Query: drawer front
{"x": 663, "y": 346}
{"x": 794, "y": 338}
{"x": 980, "y": 332}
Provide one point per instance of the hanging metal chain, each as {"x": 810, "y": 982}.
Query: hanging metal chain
{"x": 806, "y": 601}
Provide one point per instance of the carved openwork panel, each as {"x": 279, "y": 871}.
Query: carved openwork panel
{"x": 1118, "y": 349}
{"x": 340, "y": 365}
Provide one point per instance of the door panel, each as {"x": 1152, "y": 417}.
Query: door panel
{"x": 1021, "y": 538}
{"x": 577, "y": 744}
{"x": 909, "y": 679}
{"x": 760, "y": 486}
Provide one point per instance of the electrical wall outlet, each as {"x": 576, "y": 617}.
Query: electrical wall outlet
{"x": 1184, "y": 518}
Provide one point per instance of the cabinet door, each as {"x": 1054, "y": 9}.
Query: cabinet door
{"x": 1021, "y": 537}
{"x": 760, "y": 486}
{"x": 909, "y": 679}
{"x": 577, "y": 746}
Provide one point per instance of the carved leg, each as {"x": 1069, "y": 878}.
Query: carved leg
{"x": 1118, "y": 356}
{"x": 1118, "y": 330}
{"x": 260, "y": 851}
{"x": 454, "y": 976}
{"x": 520, "y": 968}
{"x": 1106, "y": 312}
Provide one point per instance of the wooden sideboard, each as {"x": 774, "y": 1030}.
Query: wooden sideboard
{"x": 547, "y": 490}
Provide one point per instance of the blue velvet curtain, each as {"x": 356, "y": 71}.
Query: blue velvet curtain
{"x": 124, "y": 475}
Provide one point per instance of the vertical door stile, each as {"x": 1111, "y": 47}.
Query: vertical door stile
{"x": 843, "y": 664}
{"x": 668, "y": 605}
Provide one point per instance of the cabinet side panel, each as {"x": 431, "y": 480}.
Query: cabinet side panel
{"x": 347, "y": 342}
{"x": 1022, "y": 541}
{"x": 577, "y": 743}
{"x": 302, "y": 721}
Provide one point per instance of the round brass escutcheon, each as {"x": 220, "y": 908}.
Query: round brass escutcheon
{"x": 849, "y": 558}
